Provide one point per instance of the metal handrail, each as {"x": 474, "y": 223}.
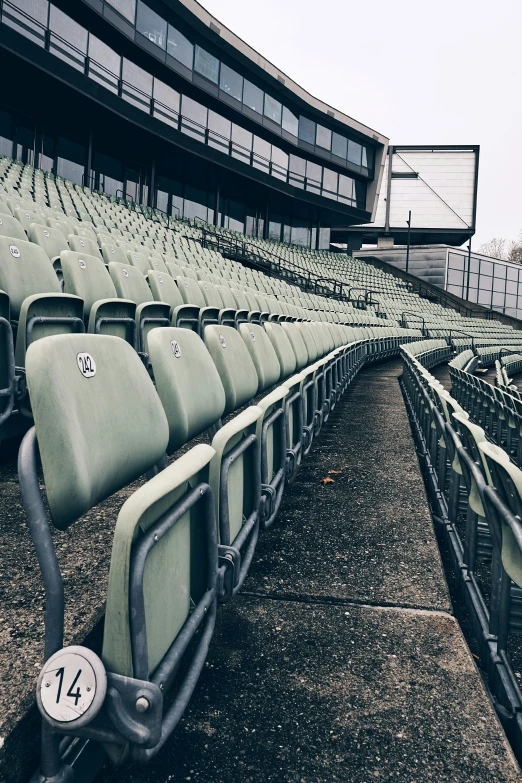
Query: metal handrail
{"x": 356, "y": 288}
{"x": 415, "y": 315}
{"x": 507, "y": 352}
{"x": 466, "y": 334}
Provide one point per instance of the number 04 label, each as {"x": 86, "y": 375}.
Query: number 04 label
{"x": 71, "y": 685}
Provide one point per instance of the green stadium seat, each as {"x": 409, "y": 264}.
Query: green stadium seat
{"x": 11, "y": 227}
{"x": 37, "y": 304}
{"x": 193, "y": 295}
{"x": 51, "y": 240}
{"x": 140, "y": 260}
{"x": 194, "y": 399}
{"x": 99, "y": 425}
{"x": 271, "y": 428}
{"x": 87, "y": 277}
{"x": 63, "y": 224}
{"x": 164, "y": 289}
{"x": 113, "y": 253}
{"x": 26, "y": 217}
{"x": 283, "y": 349}
{"x": 83, "y": 245}
{"x": 226, "y": 316}
{"x": 130, "y": 284}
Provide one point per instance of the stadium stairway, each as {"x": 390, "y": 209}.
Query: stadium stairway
{"x": 339, "y": 660}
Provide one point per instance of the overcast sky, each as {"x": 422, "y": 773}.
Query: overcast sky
{"x": 420, "y": 73}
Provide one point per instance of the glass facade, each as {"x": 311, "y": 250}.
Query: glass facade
{"x": 68, "y": 156}
{"x": 184, "y": 184}
{"x": 489, "y": 283}
{"x": 195, "y": 58}
{"x": 71, "y": 43}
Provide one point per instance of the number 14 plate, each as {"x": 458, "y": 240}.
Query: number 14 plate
{"x": 72, "y": 686}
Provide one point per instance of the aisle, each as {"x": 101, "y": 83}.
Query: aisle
{"x": 340, "y": 660}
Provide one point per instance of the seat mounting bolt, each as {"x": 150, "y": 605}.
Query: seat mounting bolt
{"x": 142, "y": 704}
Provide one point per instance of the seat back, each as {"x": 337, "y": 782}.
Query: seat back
{"x": 26, "y": 217}
{"x": 25, "y": 270}
{"x": 262, "y": 354}
{"x": 211, "y": 294}
{"x": 11, "y": 227}
{"x": 283, "y": 348}
{"x": 99, "y": 421}
{"x": 87, "y": 277}
{"x": 187, "y": 382}
{"x": 51, "y": 240}
{"x": 227, "y": 297}
{"x": 507, "y": 480}
{"x": 112, "y": 253}
{"x": 85, "y": 231}
{"x": 63, "y": 224}
{"x": 297, "y": 343}
{"x": 140, "y": 260}
{"x": 129, "y": 283}
{"x": 174, "y": 269}
{"x": 191, "y": 292}
{"x": 164, "y": 289}
{"x": 83, "y": 245}
{"x": 234, "y": 365}
{"x": 157, "y": 263}
{"x": 309, "y": 341}
{"x": 241, "y": 300}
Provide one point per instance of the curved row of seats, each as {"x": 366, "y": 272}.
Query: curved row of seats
{"x": 496, "y": 408}
{"x": 184, "y": 540}
{"x": 479, "y": 492}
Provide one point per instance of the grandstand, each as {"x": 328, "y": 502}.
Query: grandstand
{"x": 224, "y": 557}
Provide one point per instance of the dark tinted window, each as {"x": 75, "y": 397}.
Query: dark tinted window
{"x": 127, "y": 8}
{"x": 231, "y": 82}
{"x": 323, "y": 137}
{"x": 306, "y": 130}
{"x": 346, "y": 188}
{"x": 151, "y": 25}
{"x": 354, "y": 152}
{"x": 253, "y": 97}
{"x": 273, "y": 109}
{"x": 180, "y": 47}
{"x": 339, "y": 145}
{"x": 206, "y": 64}
{"x": 290, "y": 122}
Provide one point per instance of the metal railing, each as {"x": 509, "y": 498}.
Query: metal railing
{"x": 477, "y": 509}
{"x": 415, "y": 315}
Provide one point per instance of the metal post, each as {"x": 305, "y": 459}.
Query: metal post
{"x": 408, "y": 245}
{"x": 151, "y": 200}
{"x": 469, "y": 268}
{"x": 217, "y": 208}
{"x": 87, "y": 178}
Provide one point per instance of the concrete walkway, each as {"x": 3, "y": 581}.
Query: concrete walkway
{"x": 340, "y": 660}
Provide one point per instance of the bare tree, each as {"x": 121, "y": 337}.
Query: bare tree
{"x": 514, "y": 253}
{"x": 496, "y": 247}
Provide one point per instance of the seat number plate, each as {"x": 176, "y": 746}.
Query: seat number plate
{"x": 68, "y": 687}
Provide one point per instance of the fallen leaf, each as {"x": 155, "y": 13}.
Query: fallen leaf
{"x": 326, "y": 481}
{"x": 335, "y": 472}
